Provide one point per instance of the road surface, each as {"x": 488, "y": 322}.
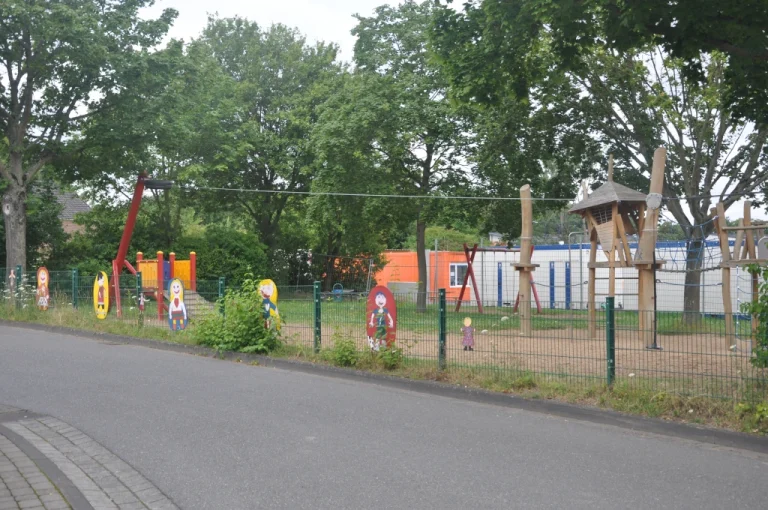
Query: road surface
{"x": 213, "y": 434}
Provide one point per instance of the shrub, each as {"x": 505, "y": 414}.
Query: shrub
{"x": 391, "y": 357}
{"x": 759, "y": 308}
{"x": 344, "y": 353}
{"x": 241, "y": 328}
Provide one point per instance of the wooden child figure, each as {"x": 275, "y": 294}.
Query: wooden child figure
{"x": 469, "y": 335}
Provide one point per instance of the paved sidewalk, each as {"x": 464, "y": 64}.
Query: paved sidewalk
{"x": 45, "y": 464}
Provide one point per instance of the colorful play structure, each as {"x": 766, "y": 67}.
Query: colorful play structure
{"x": 154, "y": 272}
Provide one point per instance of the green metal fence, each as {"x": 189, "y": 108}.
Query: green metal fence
{"x": 664, "y": 352}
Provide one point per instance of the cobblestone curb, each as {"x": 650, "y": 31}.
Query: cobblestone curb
{"x": 105, "y": 481}
{"x": 22, "y": 483}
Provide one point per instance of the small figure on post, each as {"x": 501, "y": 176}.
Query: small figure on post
{"x": 469, "y": 335}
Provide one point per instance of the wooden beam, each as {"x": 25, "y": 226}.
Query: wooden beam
{"x": 720, "y": 225}
{"x": 739, "y": 239}
{"x": 751, "y": 251}
{"x": 745, "y": 227}
{"x": 625, "y": 241}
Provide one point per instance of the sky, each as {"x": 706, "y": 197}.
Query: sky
{"x": 318, "y": 20}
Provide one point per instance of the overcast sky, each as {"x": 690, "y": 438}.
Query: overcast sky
{"x": 319, "y": 20}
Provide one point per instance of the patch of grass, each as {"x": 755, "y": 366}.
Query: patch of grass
{"x": 64, "y": 315}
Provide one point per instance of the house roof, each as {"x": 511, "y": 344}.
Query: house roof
{"x": 71, "y": 205}
{"x": 609, "y": 193}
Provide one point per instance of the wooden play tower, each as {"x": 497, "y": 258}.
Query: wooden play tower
{"x": 612, "y": 213}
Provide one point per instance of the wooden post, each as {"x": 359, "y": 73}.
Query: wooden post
{"x": 159, "y": 289}
{"x": 172, "y": 260}
{"x": 749, "y": 244}
{"x": 612, "y": 251}
{"x": 524, "y": 268}
{"x": 592, "y": 303}
{"x": 725, "y": 250}
{"x": 646, "y": 247}
{"x": 192, "y": 271}
{"x": 610, "y": 167}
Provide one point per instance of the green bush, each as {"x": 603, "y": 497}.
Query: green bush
{"x": 391, "y": 357}
{"x": 241, "y": 328}
{"x": 759, "y": 308}
{"x": 344, "y": 353}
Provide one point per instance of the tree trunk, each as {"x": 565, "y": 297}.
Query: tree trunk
{"x": 692, "y": 291}
{"x": 421, "y": 255}
{"x": 15, "y": 218}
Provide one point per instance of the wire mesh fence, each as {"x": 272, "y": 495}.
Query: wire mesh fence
{"x": 666, "y": 352}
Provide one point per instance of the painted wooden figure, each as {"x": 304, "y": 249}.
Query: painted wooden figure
{"x": 43, "y": 294}
{"x": 469, "y": 335}
{"x": 269, "y": 312}
{"x": 382, "y": 318}
{"x": 101, "y": 295}
{"x": 177, "y": 310}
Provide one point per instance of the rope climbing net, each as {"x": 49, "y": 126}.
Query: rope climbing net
{"x": 696, "y": 253}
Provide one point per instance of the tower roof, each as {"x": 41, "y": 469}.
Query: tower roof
{"x": 609, "y": 193}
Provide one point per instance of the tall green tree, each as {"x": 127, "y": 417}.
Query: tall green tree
{"x": 166, "y": 126}
{"x": 419, "y": 138}
{"x": 275, "y": 80}
{"x": 60, "y": 61}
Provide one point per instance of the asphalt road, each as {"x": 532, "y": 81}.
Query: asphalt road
{"x": 219, "y": 435}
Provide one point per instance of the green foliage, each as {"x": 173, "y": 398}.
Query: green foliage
{"x": 229, "y": 253}
{"x": 391, "y": 357}
{"x": 272, "y": 80}
{"x": 447, "y": 239}
{"x": 759, "y": 308}
{"x": 344, "y": 353}
{"x": 754, "y": 416}
{"x": 490, "y": 48}
{"x": 241, "y": 328}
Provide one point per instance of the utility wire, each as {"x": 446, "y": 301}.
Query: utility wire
{"x": 433, "y": 197}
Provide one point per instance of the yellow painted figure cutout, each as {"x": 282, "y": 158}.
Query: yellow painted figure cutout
{"x": 177, "y": 310}
{"x": 268, "y": 291}
{"x": 43, "y": 295}
{"x": 101, "y": 295}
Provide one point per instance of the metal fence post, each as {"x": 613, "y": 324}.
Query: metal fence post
{"x": 140, "y": 297}
{"x": 441, "y": 329}
{"x": 610, "y": 339}
{"x": 221, "y": 295}
{"x": 75, "y": 287}
{"x": 318, "y": 321}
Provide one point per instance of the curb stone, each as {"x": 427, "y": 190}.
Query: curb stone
{"x": 706, "y": 435}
